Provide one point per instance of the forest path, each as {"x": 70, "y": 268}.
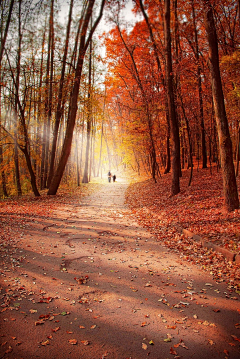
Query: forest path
{"x": 91, "y": 275}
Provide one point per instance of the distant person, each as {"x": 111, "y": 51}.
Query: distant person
{"x": 114, "y": 178}
{"x": 109, "y": 176}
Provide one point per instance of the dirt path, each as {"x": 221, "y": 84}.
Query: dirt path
{"x": 91, "y": 283}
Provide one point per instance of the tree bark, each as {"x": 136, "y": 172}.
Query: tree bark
{"x": 74, "y": 96}
{"x": 60, "y": 99}
{"x": 50, "y": 94}
{"x": 200, "y": 97}
{"x": 238, "y": 149}
{"x": 6, "y": 31}
{"x": 225, "y": 144}
{"x": 87, "y": 168}
{"x": 176, "y": 166}
{"x": 16, "y": 157}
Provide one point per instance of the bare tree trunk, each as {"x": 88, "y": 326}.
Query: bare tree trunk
{"x": 16, "y": 159}
{"x": 74, "y": 96}
{"x": 4, "y": 186}
{"x": 176, "y": 166}
{"x": 49, "y": 100}
{"x": 204, "y": 150}
{"x": 2, "y": 46}
{"x": 225, "y": 143}
{"x": 87, "y": 168}
{"x": 60, "y": 99}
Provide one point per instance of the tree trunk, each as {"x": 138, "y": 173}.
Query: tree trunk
{"x": 49, "y": 101}
{"x": 2, "y": 46}
{"x": 238, "y": 149}
{"x": 74, "y": 96}
{"x": 16, "y": 159}
{"x": 60, "y": 99}
{"x": 4, "y": 187}
{"x": 176, "y": 167}
{"x": 200, "y": 98}
{"x": 100, "y": 155}
{"x": 87, "y": 168}
{"x": 168, "y": 152}
{"x": 225, "y": 143}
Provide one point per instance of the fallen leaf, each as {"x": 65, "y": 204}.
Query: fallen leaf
{"x": 210, "y": 341}
{"x": 144, "y": 346}
{"x": 180, "y": 344}
{"x": 172, "y": 351}
{"x": 9, "y": 350}
{"x": 85, "y": 342}
{"x": 167, "y": 340}
{"x": 235, "y": 338}
{"x": 47, "y": 342}
{"x": 55, "y": 330}
{"x": 39, "y": 322}
{"x": 148, "y": 285}
{"x": 72, "y": 341}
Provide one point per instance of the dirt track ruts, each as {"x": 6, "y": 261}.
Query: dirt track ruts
{"x": 93, "y": 275}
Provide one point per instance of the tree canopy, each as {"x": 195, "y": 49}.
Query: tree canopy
{"x": 157, "y": 93}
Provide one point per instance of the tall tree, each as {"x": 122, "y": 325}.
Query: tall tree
{"x": 225, "y": 143}
{"x": 3, "y": 40}
{"x": 60, "y": 98}
{"x": 84, "y": 43}
{"x": 200, "y": 96}
{"x": 87, "y": 168}
{"x": 175, "y": 189}
{"x": 16, "y": 157}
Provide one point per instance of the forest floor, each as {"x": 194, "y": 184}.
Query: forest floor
{"x": 96, "y": 274}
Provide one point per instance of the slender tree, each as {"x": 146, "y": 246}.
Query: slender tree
{"x": 3, "y": 40}
{"x": 87, "y": 168}
{"x": 225, "y": 143}
{"x": 175, "y": 189}
{"x": 84, "y": 43}
{"x": 60, "y": 98}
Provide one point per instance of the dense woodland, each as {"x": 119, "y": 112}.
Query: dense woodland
{"x": 159, "y": 94}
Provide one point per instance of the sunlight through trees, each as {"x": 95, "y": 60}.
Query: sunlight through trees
{"x": 140, "y": 91}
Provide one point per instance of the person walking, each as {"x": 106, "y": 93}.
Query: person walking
{"x": 114, "y": 178}
{"x": 109, "y": 176}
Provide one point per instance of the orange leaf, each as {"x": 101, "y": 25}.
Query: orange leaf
{"x": 47, "y": 342}
{"x": 72, "y": 341}
{"x": 85, "y": 342}
{"x": 55, "y": 330}
{"x": 172, "y": 351}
